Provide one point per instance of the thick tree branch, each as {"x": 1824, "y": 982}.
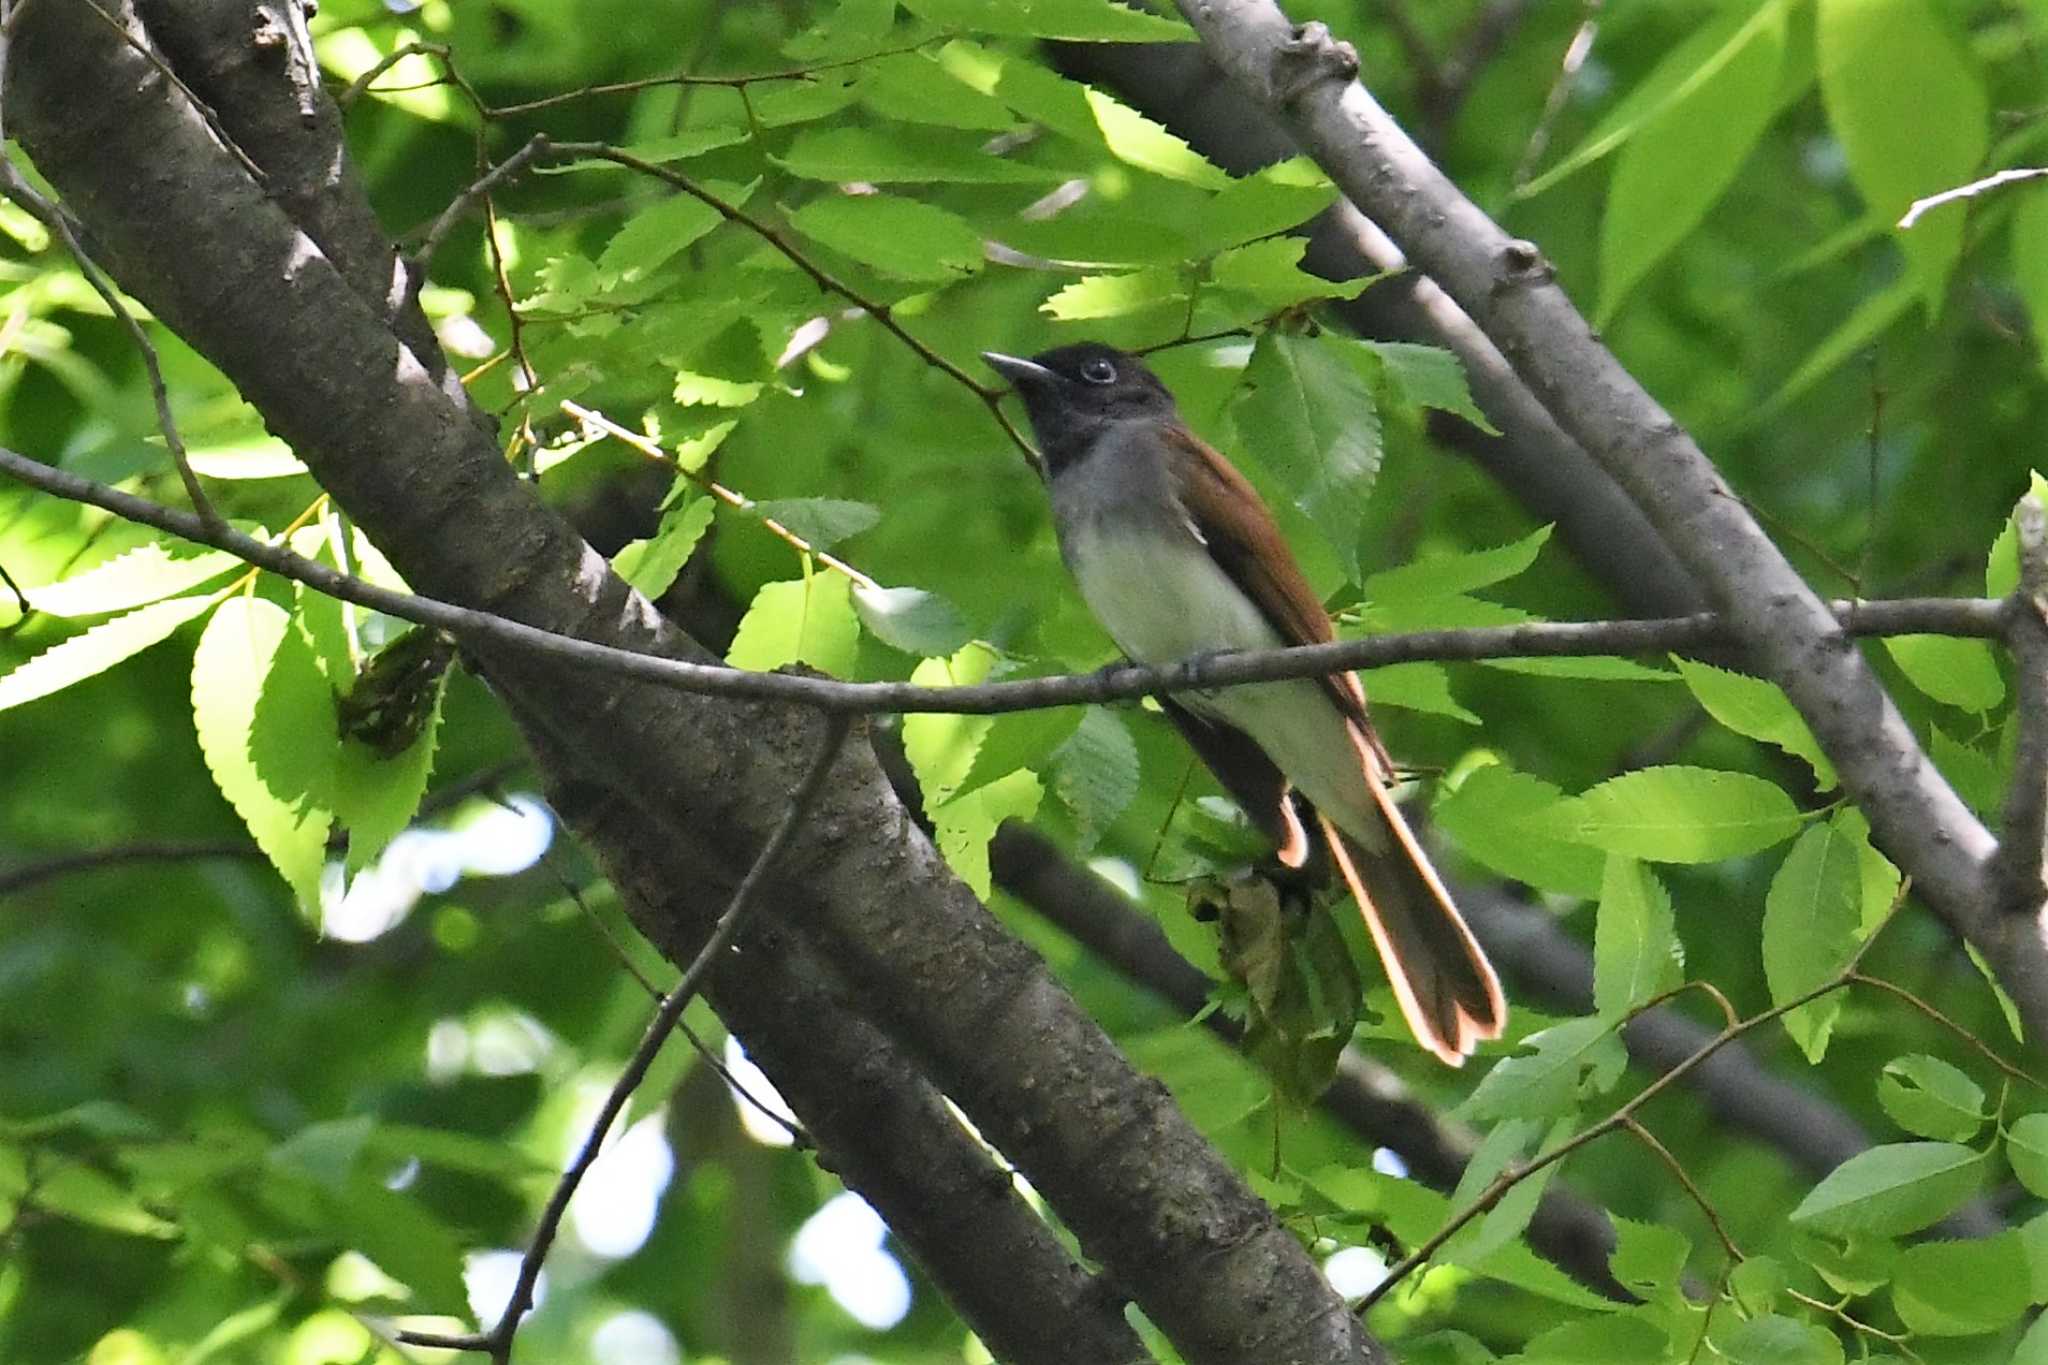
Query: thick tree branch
{"x": 186, "y": 230}
{"x": 1787, "y": 631}
{"x": 2024, "y": 829}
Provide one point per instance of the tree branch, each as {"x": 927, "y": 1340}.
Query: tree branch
{"x": 1787, "y": 631}
{"x": 2023, "y": 831}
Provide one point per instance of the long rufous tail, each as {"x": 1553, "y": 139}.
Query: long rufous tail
{"x": 1447, "y": 990}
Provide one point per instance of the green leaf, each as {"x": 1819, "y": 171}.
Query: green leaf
{"x": 651, "y": 565}
{"x": 1319, "y": 433}
{"x": 649, "y": 238}
{"x": 2033, "y": 1347}
{"x": 1696, "y": 62}
{"x": 1258, "y": 206}
{"x": 1929, "y": 1098}
{"x": 2026, "y": 1147}
{"x": 88, "y": 1196}
{"x": 917, "y": 88}
{"x": 1495, "y": 817}
{"x": 1855, "y": 1266}
{"x": 1111, "y": 296}
{"x": 1812, "y": 925}
{"x": 1756, "y": 708}
{"x": 1461, "y": 571}
{"x": 1678, "y": 815}
{"x": 1868, "y": 321}
{"x": 1682, "y": 158}
{"x": 805, "y": 620}
{"x": 1429, "y": 377}
{"x": 901, "y": 237}
{"x": 1418, "y": 686}
{"x": 230, "y": 675}
{"x": 911, "y": 619}
{"x": 1758, "y": 1282}
{"x": 1137, "y": 141}
{"x": 942, "y": 748}
{"x": 1612, "y": 1339}
{"x": 453, "y": 1151}
{"x": 144, "y": 574}
{"x": 1901, "y": 149}
{"x": 95, "y": 651}
{"x": 1777, "y": 1340}
{"x": 1634, "y": 939}
{"x": 1568, "y": 1062}
{"x": 1270, "y": 273}
{"x": 403, "y": 1238}
{"x": 963, "y": 826}
{"x": 1095, "y": 773}
{"x": 1962, "y": 1288}
{"x": 377, "y": 794}
{"x": 1892, "y": 1190}
{"x": 843, "y": 155}
{"x": 1019, "y": 739}
{"x": 1079, "y": 21}
{"x": 324, "y": 1153}
{"x": 1955, "y": 672}
{"x": 2002, "y": 565}
{"x": 822, "y": 522}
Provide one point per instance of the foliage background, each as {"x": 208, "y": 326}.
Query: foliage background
{"x": 207, "y": 1102}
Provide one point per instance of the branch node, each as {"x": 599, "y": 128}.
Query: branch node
{"x": 1312, "y": 57}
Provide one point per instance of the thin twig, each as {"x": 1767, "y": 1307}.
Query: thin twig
{"x": 1982, "y": 1048}
{"x": 1545, "y": 639}
{"x": 730, "y": 497}
{"x": 535, "y": 148}
{"x": 19, "y": 879}
{"x": 1969, "y": 191}
{"x": 498, "y": 1341}
{"x": 1685, "y": 1180}
{"x": 1575, "y": 54}
{"x": 16, "y": 187}
{"x": 737, "y": 82}
{"x": 1508, "y": 1179}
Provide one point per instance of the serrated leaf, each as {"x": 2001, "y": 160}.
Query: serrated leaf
{"x": 93, "y": 652}
{"x": 1681, "y": 159}
{"x": 916, "y": 88}
{"x": 651, "y": 565}
{"x": 1756, "y": 708}
{"x": 1258, "y": 206}
{"x": 1095, "y": 773}
{"x": 1929, "y": 1098}
{"x": 843, "y": 155}
{"x": 1461, "y": 571}
{"x": 1417, "y": 686}
{"x": 229, "y": 672}
{"x": 1677, "y": 814}
{"x": 1812, "y": 926}
{"x": 901, "y": 237}
{"x": 942, "y": 748}
{"x": 821, "y": 522}
{"x": 2026, "y": 1148}
{"x": 1900, "y": 149}
{"x": 1111, "y": 296}
{"x": 1019, "y": 739}
{"x": 1566, "y": 1063}
{"x": 911, "y": 619}
{"x": 376, "y": 795}
{"x": 1496, "y": 817}
{"x": 963, "y": 826}
{"x": 1893, "y": 1190}
{"x": 2002, "y": 564}
{"x": 1648, "y": 1258}
{"x": 1962, "y": 1288}
{"x": 1955, "y": 672}
{"x": 1611, "y": 1339}
{"x": 649, "y": 238}
{"x": 805, "y": 620}
{"x": 1078, "y": 21}
{"x": 147, "y": 573}
{"x": 1774, "y": 1339}
{"x": 1428, "y": 377}
{"x": 1319, "y": 433}
{"x": 1270, "y": 273}
{"x": 1634, "y": 938}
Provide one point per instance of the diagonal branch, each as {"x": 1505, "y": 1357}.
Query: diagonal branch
{"x": 1788, "y": 633}
{"x": 498, "y": 1341}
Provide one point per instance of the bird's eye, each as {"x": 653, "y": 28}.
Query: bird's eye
{"x": 1099, "y": 371}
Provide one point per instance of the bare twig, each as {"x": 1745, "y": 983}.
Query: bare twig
{"x": 19, "y": 879}
{"x": 535, "y": 148}
{"x": 497, "y": 1342}
{"x": 16, "y": 187}
{"x": 1951, "y": 616}
{"x": 1970, "y": 191}
{"x": 1575, "y": 54}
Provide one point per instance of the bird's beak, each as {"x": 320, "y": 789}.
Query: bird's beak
{"x": 1025, "y": 374}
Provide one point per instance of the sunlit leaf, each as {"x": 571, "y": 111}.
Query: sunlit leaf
{"x": 1892, "y": 1190}
{"x": 1319, "y": 433}
{"x": 93, "y": 652}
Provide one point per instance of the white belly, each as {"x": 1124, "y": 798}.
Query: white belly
{"x": 1162, "y": 599}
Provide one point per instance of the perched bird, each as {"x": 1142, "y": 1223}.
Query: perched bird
{"x": 1176, "y": 556}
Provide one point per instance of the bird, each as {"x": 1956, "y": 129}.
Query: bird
{"x": 1176, "y": 556}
